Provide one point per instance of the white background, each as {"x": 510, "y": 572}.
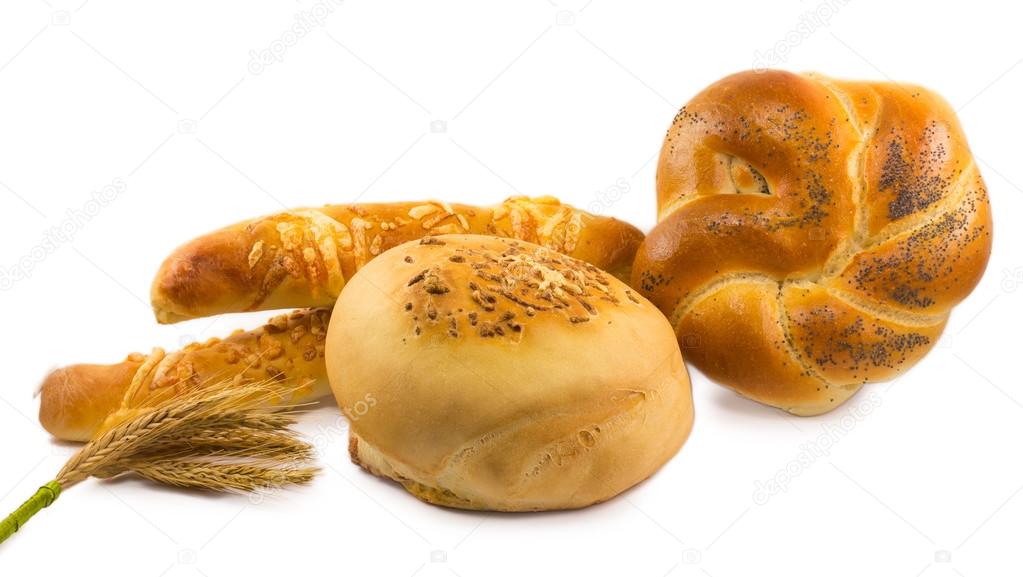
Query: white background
{"x": 571, "y": 98}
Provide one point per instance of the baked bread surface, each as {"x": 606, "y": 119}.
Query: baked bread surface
{"x": 814, "y": 234}
{"x": 77, "y": 399}
{"x": 303, "y": 257}
{"x": 253, "y": 265}
{"x": 489, "y": 373}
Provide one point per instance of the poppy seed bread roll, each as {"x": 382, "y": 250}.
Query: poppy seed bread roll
{"x": 814, "y": 233}
{"x": 489, "y": 373}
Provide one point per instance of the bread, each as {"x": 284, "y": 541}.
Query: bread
{"x": 814, "y": 234}
{"x": 213, "y": 274}
{"x": 302, "y": 258}
{"x": 489, "y": 373}
{"x": 76, "y": 400}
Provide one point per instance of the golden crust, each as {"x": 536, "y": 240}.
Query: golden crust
{"x": 739, "y": 339}
{"x": 494, "y": 374}
{"x": 785, "y": 199}
{"x": 76, "y": 400}
{"x": 303, "y": 257}
{"x": 298, "y": 258}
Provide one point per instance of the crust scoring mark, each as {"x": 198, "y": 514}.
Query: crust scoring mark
{"x": 865, "y": 128}
{"x": 611, "y": 419}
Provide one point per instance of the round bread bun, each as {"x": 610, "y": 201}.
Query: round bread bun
{"x": 814, "y": 234}
{"x": 489, "y": 373}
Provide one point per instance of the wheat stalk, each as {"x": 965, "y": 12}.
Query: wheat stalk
{"x": 222, "y": 477}
{"x": 220, "y": 438}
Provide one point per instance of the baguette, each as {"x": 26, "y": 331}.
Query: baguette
{"x": 76, "y": 400}
{"x": 303, "y": 257}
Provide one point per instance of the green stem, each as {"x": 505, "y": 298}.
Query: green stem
{"x": 46, "y": 495}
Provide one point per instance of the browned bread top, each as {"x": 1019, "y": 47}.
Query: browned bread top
{"x": 813, "y": 233}
{"x": 303, "y": 257}
{"x": 76, "y": 400}
{"x": 496, "y": 374}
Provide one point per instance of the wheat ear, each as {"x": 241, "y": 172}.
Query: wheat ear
{"x": 220, "y": 438}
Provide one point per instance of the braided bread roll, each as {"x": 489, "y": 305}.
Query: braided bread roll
{"x": 75, "y": 400}
{"x": 814, "y": 234}
{"x": 302, "y": 258}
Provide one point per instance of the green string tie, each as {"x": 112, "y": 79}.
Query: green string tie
{"x": 46, "y": 495}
